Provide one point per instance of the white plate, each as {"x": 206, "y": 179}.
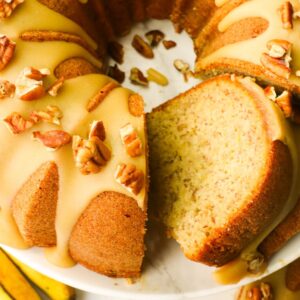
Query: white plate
{"x": 167, "y": 273}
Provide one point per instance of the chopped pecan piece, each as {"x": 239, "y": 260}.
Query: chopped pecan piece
{"x": 284, "y": 101}
{"x": 7, "y": 89}
{"x": 154, "y": 37}
{"x": 98, "y": 130}
{"x": 270, "y": 93}
{"x": 115, "y": 73}
{"x": 90, "y": 155}
{"x": 286, "y": 11}
{"x": 137, "y": 77}
{"x": 279, "y": 48}
{"x": 256, "y": 291}
{"x": 169, "y": 44}
{"x": 7, "y": 7}
{"x": 142, "y": 47}
{"x": 116, "y": 51}
{"x": 131, "y": 140}
{"x": 157, "y": 77}
{"x": 52, "y": 114}
{"x": 53, "y": 139}
{"x": 100, "y": 96}
{"x": 55, "y": 87}
{"x": 276, "y": 66}
{"x": 255, "y": 261}
{"x": 136, "y": 105}
{"x": 130, "y": 178}
{"x": 17, "y": 123}
{"x": 7, "y": 50}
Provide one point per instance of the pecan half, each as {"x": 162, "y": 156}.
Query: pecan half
{"x": 169, "y": 44}
{"x": 116, "y": 51}
{"x": 256, "y": 291}
{"x": 284, "y": 101}
{"x": 7, "y": 50}
{"x": 115, "y": 73}
{"x": 55, "y": 87}
{"x": 53, "y": 139}
{"x": 286, "y": 12}
{"x": 154, "y": 37}
{"x": 98, "y": 130}
{"x": 131, "y": 140}
{"x": 130, "y": 178}
{"x": 137, "y": 77}
{"x": 17, "y": 123}
{"x": 7, "y": 7}
{"x": 142, "y": 47}
{"x": 52, "y": 114}
{"x": 90, "y": 155}
{"x": 279, "y": 48}
{"x": 7, "y": 89}
{"x": 276, "y": 66}
{"x": 100, "y": 96}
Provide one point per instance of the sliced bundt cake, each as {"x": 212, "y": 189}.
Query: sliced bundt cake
{"x": 220, "y": 167}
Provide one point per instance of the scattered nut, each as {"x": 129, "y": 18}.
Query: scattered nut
{"x": 7, "y": 7}
{"x": 100, "y": 96}
{"x": 98, "y": 130}
{"x": 36, "y": 74}
{"x": 90, "y": 155}
{"x": 130, "y": 178}
{"x": 137, "y": 77}
{"x": 7, "y": 89}
{"x": 284, "y": 101}
{"x": 270, "y": 93}
{"x": 155, "y": 76}
{"x": 154, "y": 37}
{"x": 142, "y": 47}
{"x": 169, "y": 44}
{"x": 181, "y": 66}
{"x": 116, "y": 51}
{"x": 255, "y": 261}
{"x": 276, "y": 66}
{"x": 17, "y": 123}
{"x": 286, "y": 11}
{"x": 53, "y": 139}
{"x": 256, "y": 291}
{"x": 136, "y": 105}
{"x": 52, "y": 115}
{"x": 115, "y": 73}
{"x": 7, "y": 50}
{"x": 55, "y": 87}
{"x": 279, "y": 48}
{"x": 131, "y": 140}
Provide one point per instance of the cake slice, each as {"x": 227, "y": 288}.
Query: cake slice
{"x": 220, "y": 168}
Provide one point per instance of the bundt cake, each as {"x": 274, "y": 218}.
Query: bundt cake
{"x": 203, "y": 146}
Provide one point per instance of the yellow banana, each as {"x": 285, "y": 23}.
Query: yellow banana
{"x": 4, "y": 295}
{"x": 54, "y": 289}
{"x": 14, "y": 282}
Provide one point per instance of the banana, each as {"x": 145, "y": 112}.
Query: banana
{"x": 54, "y": 289}
{"x": 4, "y": 295}
{"x": 14, "y": 282}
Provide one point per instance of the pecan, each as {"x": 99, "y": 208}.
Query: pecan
{"x": 270, "y": 93}
{"x": 286, "y": 12}
{"x": 7, "y": 7}
{"x": 276, "y": 66}
{"x": 169, "y": 44}
{"x": 157, "y": 77}
{"x": 52, "y": 115}
{"x": 255, "y": 262}
{"x": 142, "y": 47}
{"x": 131, "y": 140}
{"x": 136, "y": 105}
{"x": 130, "y": 178}
{"x": 7, "y": 50}
{"x": 154, "y": 37}
{"x": 17, "y": 123}
{"x": 90, "y": 155}
{"x": 256, "y": 291}
{"x": 279, "y": 48}
{"x": 98, "y": 130}
{"x": 36, "y": 74}
{"x": 101, "y": 95}
{"x": 7, "y": 89}
{"x": 116, "y": 51}
{"x": 284, "y": 101}
{"x": 55, "y": 87}
{"x": 53, "y": 139}
{"x": 115, "y": 73}
{"x": 137, "y": 77}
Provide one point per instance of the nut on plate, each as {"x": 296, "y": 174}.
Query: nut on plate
{"x": 97, "y": 129}
{"x": 136, "y": 105}
{"x": 116, "y": 51}
{"x": 169, "y": 44}
{"x": 276, "y": 66}
{"x": 7, "y": 89}
{"x": 53, "y": 139}
{"x": 131, "y": 140}
{"x": 137, "y": 77}
{"x": 115, "y": 73}
{"x": 142, "y": 46}
{"x": 17, "y": 123}
{"x": 157, "y": 77}
{"x": 130, "y": 178}
{"x": 154, "y": 37}
{"x": 284, "y": 101}
{"x": 55, "y": 87}
{"x": 270, "y": 93}
{"x": 52, "y": 115}
{"x": 256, "y": 291}
{"x": 279, "y": 48}
{"x": 255, "y": 261}
{"x": 286, "y": 13}
{"x": 7, "y": 50}
{"x": 7, "y": 7}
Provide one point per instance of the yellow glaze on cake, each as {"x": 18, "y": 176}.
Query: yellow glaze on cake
{"x": 20, "y": 156}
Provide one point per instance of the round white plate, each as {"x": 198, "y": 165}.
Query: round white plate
{"x": 167, "y": 274}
